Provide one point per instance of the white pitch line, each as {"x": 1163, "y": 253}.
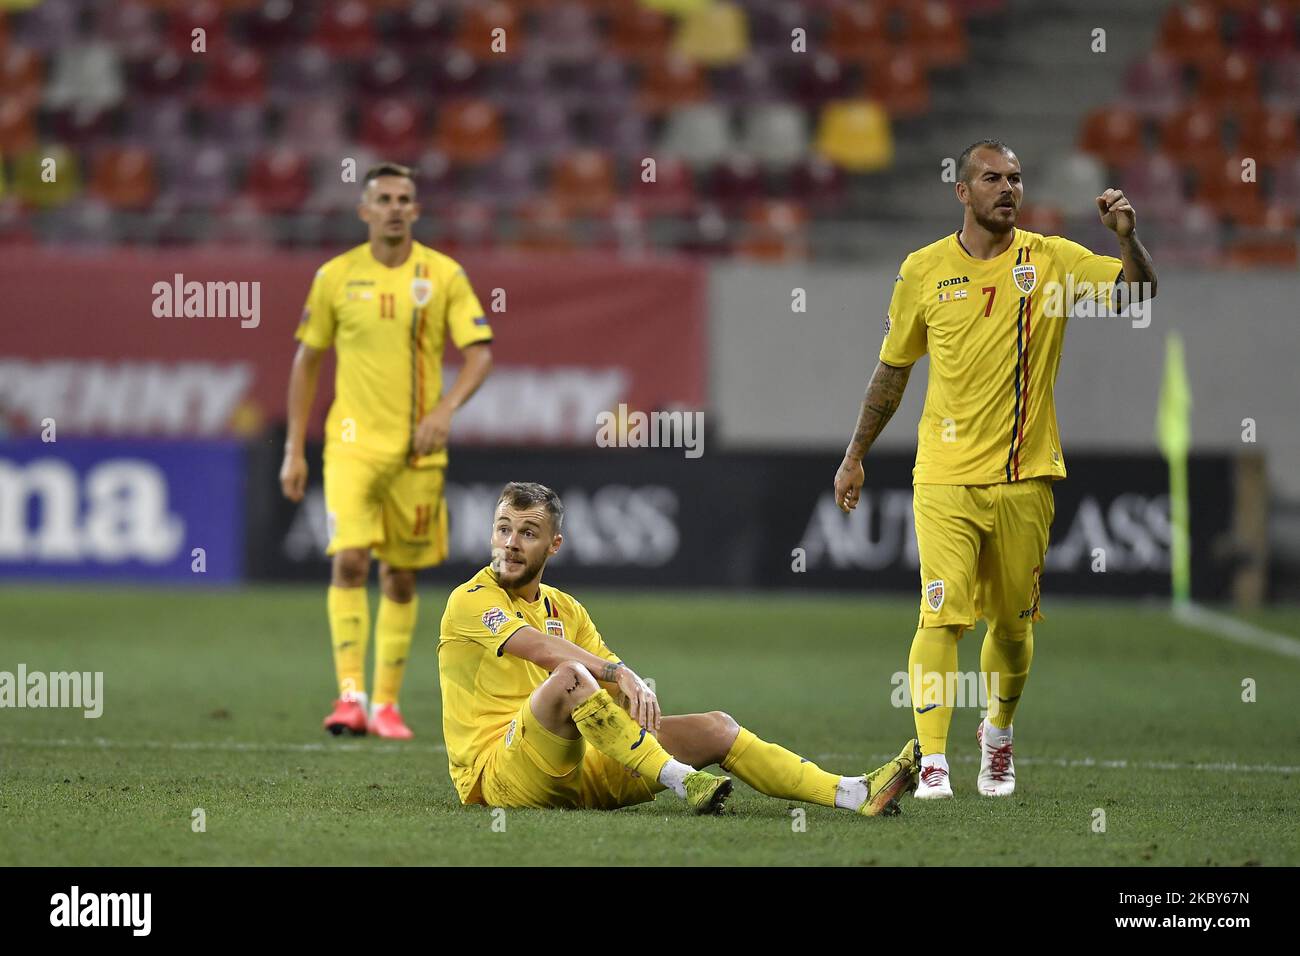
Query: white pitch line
{"x": 240, "y": 746}
{"x": 1232, "y": 629}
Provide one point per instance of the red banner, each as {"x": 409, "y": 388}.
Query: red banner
{"x": 101, "y": 344}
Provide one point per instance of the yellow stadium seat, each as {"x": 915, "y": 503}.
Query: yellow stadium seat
{"x": 714, "y": 35}
{"x": 855, "y": 135}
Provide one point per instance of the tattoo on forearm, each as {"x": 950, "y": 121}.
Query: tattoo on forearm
{"x": 609, "y": 671}
{"x": 884, "y": 393}
{"x": 1143, "y": 269}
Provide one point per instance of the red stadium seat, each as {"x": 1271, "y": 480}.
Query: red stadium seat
{"x": 1190, "y": 32}
{"x": 1229, "y": 83}
{"x": 671, "y": 81}
{"x": 491, "y": 30}
{"x": 278, "y": 180}
{"x": 934, "y": 33}
{"x": 165, "y": 76}
{"x": 672, "y": 193}
{"x": 21, "y": 75}
{"x": 738, "y": 182}
{"x": 1154, "y": 86}
{"x": 393, "y": 128}
{"x": 17, "y": 126}
{"x": 344, "y": 28}
{"x": 1220, "y": 186}
{"x": 857, "y": 33}
{"x": 469, "y": 131}
{"x": 1267, "y": 33}
{"x": 205, "y": 15}
{"x": 1266, "y": 240}
{"x": 583, "y": 182}
{"x": 900, "y": 86}
{"x": 237, "y": 75}
{"x": 386, "y": 73}
{"x": 1113, "y": 134}
{"x": 123, "y": 177}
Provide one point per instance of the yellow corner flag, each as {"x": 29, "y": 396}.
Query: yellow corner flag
{"x": 1174, "y": 436}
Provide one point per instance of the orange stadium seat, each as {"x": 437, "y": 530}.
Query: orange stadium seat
{"x": 1113, "y": 134}
{"x": 775, "y": 231}
{"x": 123, "y": 177}
{"x": 900, "y": 85}
{"x": 21, "y": 75}
{"x": 1267, "y": 240}
{"x": 475, "y": 35}
{"x": 637, "y": 33}
{"x": 935, "y": 33}
{"x": 278, "y": 180}
{"x": 1220, "y": 186}
{"x": 670, "y": 81}
{"x": 1190, "y": 32}
{"x": 1192, "y": 133}
{"x": 857, "y": 32}
{"x": 1267, "y": 135}
{"x": 17, "y": 126}
{"x": 469, "y": 131}
{"x": 544, "y": 226}
{"x": 583, "y": 181}
{"x": 1229, "y": 83}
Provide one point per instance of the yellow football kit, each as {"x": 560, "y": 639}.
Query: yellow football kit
{"x": 388, "y": 328}
{"x": 497, "y": 750}
{"x": 989, "y": 417}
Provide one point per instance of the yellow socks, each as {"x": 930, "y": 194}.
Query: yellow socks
{"x": 393, "y": 629}
{"x": 777, "y": 772}
{"x": 349, "y": 616}
{"x": 1004, "y": 659}
{"x": 932, "y": 676}
{"x": 609, "y": 728}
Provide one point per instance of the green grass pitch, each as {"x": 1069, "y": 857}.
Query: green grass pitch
{"x": 213, "y": 700}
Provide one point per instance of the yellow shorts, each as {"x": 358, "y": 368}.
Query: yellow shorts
{"x": 982, "y": 551}
{"x": 393, "y": 509}
{"x": 532, "y": 767}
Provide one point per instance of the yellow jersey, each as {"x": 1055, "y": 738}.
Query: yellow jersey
{"x": 482, "y": 686}
{"x": 388, "y": 328}
{"x": 993, "y": 329}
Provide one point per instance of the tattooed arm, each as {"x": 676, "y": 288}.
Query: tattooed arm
{"x": 1117, "y": 215}
{"x": 884, "y": 393}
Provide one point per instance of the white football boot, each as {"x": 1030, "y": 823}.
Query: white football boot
{"x": 934, "y": 783}
{"x": 997, "y": 771}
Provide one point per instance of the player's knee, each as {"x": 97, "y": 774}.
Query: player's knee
{"x": 351, "y": 568}
{"x": 1017, "y": 635}
{"x": 724, "y": 730}
{"x": 399, "y": 585}
{"x": 575, "y": 681}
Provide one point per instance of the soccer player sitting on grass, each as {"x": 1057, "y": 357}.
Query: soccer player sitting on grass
{"x": 529, "y": 721}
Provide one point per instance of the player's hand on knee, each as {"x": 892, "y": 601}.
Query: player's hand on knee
{"x": 293, "y": 476}
{"x": 848, "y": 484}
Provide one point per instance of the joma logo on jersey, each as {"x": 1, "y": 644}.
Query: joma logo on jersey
{"x": 956, "y": 280}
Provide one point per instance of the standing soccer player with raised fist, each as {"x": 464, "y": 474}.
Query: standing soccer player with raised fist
{"x": 978, "y": 302}
{"x": 387, "y": 307}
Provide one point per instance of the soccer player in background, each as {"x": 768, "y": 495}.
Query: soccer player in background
{"x": 388, "y": 308}
{"x": 529, "y": 721}
{"x": 988, "y": 448}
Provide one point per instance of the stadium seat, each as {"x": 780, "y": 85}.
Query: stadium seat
{"x": 670, "y": 81}
{"x": 1153, "y": 182}
{"x": 774, "y": 231}
{"x": 638, "y": 33}
{"x": 1073, "y": 181}
{"x": 771, "y": 27}
{"x": 123, "y": 177}
{"x": 423, "y": 25}
{"x": 623, "y": 230}
{"x": 708, "y": 233}
{"x": 1190, "y": 34}
{"x": 623, "y": 131}
{"x": 237, "y": 75}
{"x": 567, "y": 34}
{"x": 737, "y": 182}
{"x": 202, "y": 179}
{"x": 1113, "y": 134}
{"x": 817, "y": 183}
{"x": 242, "y": 227}
{"x": 386, "y": 73}
{"x": 547, "y": 129}
{"x": 857, "y": 33}
{"x": 469, "y": 131}
{"x": 1153, "y": 86}
{"x": 1230, "y": 83}
{"x": 393, "y": 128}
{"x": 672, "y": 193}
{"x": 776, "y": 134}
{"x": 240, "y": 130}
{"x": 747, "y": 83}
{"x": 509, "y": 179}
{"x": 1266, "y": 241}
{"x": 1267, "y": 135}
{"x": 456, "y": 75}
{"x": 1220, "y": 187}
{"x": 21, "y": 75}
{"x": 87, "y": 74}
{"x": 900, "y": 86}
{"x": 82, "y": 126}
{"x": 819, "y": 78}
{"x": 30, "y": 186}
{"x": 278, "y": 180}
{"x": 1268, "y": 32}
{"x": 934, "y": 33}
{"x": 699, "y": 134}
{"x": 543, "y": 226}
{"x": 344, "y": 29}
{"x": 330, "y": 195}
{"x": 277, "y": 23}
{"x": 1192, "y": 134}
{"x": 164, "y": 76}
{"x": 492, "y": 30}
{"x": 714, "y": 35}
{"x": 316, "y": 124}
{"x": 186, "y": 18}
{"x": 583, "y": 182}
{"x": 17, "y": 126}
{"x": 130, "y": 27}
{"x": 855, "y": 135}
{"x": 1284, "y": 92}
{"x": 467, "y": 226}
{"x": 47, "y": 26}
